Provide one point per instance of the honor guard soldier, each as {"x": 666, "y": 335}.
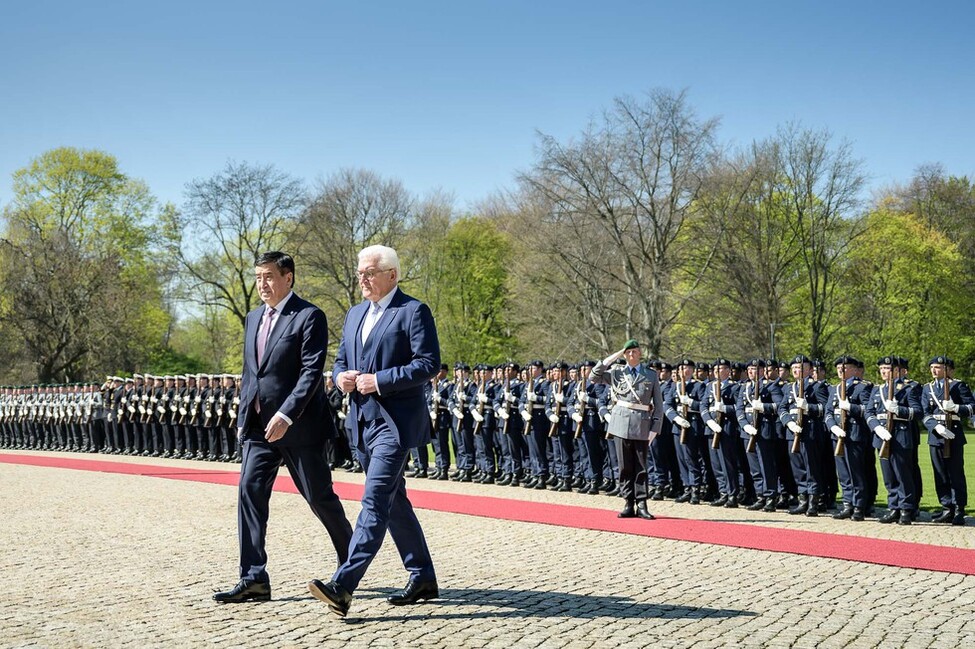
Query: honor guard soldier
{"x": 846, "y": 419}
{"x": 532, "y": 410}
{"x": 511, "y": 425}
{"x": 460, "y": 399}
{"x": 440, "y": 417}
{"x": 947, "y": 403}
{"x": 484, "y": 421}
{"x": 583, "y": 408}
{"x": 684, "y": 412}
{"x": 719, "y": 416}
{"x": 634, "y": 421}
{"x": 893, "y": 407}
{"x": 756, "y": 411}
{"x": 801, "y": 411}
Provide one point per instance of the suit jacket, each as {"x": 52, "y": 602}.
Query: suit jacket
{"x": 627, "y": 423}
{"x": 290, "y": 376}
{"x": 403, "y": 351}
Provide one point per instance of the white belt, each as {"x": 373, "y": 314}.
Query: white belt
{"x": 634, "y": 406}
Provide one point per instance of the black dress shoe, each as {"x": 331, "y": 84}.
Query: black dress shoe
{"x": 615, "y": 491}
{"x": 244, "y": 592}
{"x": 333, "y": 594}
{"x": 565, "y": 485}
{"x": 905, "y": 519}
{"x": 684, "y": 497}
{"x": 945, "y": 516}
{"x": 857, "y": 514}
{"x": 891, "y": 516}
{"x": 757, "y": 505}
{"x": 769, "y": 506}
{"x": 643, "y": 512}
{"x": 627, "y": 512}
{"x": 414, "y": 592}
{"x": 721, "y": 501}
{"x": 505, "y": 480}
{"x": 846, "y": 512}
{"x": 488, "y": 479}
{"x": 732, "y": 502}
{"x": 959, "y": 518}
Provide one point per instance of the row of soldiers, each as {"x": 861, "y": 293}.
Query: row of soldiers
{"x": 191, "y": 416}
{"x": 766, "y": 435}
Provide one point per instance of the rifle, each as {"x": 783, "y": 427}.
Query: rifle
{"x": 480, "y": 404}
{"x": 581, "y": 397}
{"x": 797, "y": 438}
{"x": 753, "y": 439}
{"x": 885, "y": 447}
{"x": 684, "y": 411}
{"x": 507, "y": 408}
{"x": 718, "y": 415}
{"x": 840, "y": 449}
{"x": 946, "y": 449}
{"x": 554, "y": 429}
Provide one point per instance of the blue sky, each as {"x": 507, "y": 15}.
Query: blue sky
{"x": 450, "y": 95}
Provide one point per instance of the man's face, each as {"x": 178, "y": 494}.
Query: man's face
{"x": 937, "y": 370}
{"x": 723, "y": 372}
{"x": 272, "y": 284}
{"x": 844, "y": 372}
{"x": 665, "y": 375}
{"x": 374, "y": 281}
{"x": 633, "y": 356}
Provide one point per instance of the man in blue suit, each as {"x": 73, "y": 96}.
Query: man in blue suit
{"x": 283, "y": 416}
{"x": 389, "y": 352}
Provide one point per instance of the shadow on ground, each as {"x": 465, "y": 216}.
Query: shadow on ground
{"x": 492, "y": 603}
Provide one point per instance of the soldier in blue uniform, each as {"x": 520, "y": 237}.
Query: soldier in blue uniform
{"x": 756, "y": 412}
{"x": 944, "y": 412}
{"x": 511, "y": 425}
{"x": 462, "y": 396}
{"x": 801, "y": 410}
{"x": 440, "y": 416}
{"x": 583, "y": 409}
{"x": 484, "y": 423}
{"x": 561, "y": 431}
{"x": 681, "y": 409}
{"x": 846, "y": 420}
{"x": 719, "y": 417}
{"x": 890, "y": 413}
{"x": 532, "y": 410}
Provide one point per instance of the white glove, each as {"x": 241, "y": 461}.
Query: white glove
{"x": 794, "y": 427}
{"x": 553, "y": 418}
{"x": 559, "y": 397}
{"x": 715, "y": 408}
{"x": 714, "y": 426}
{"x": 503, "y": 414}
{"x": 882, "y": 433}
{"x": 758, "y": 405}
{"x": 890, "y": 406}
{"x": 802, "y": 404}
{"x": 478, "y": 417}
{"x": 751, "y": 430}
{"x": 680, "y": 421}
{"x": 609, "y": 360}
{"x": 839, "y": 432}
{"x": 433, "y": 415}
{"x": 844, "y": 405}
{"x": 482, "y": 397}
{"x": 607, "y": 417}
{"x": 525, "y": 415}
{"x": 577, "y": 417}
{"x": 457, "y": 413}
{"x": 949, "y": 406}
{"x": 944, "y": 432}
{"x": 686, "y": 400}
{"x": 532, "y": 397}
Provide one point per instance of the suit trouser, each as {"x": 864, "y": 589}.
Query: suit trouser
{"x": 537, "y": 445}
{"x": 385, "y": 506}
{"x": 313, "y": 480}
{"x": 899, "y": 477}
{"x": 768, "y": 465}
{"x": 949, "y": 475}
{"x": 441, "y": 442}
{"x": 632, "y": 454}
{"x": 612, "y": 468}
{"x": 518, "y": 447}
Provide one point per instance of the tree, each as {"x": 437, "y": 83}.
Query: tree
{"x": 228, "y": 220}
{"x": 630, "y": 184}
{"x": 82, "y": 285}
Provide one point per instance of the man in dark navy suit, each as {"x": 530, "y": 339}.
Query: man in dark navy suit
{"x": 283, "y": 416}
{"x": 389, "y": 352}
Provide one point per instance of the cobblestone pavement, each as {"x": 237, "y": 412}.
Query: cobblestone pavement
{"x": 105, "y": 560}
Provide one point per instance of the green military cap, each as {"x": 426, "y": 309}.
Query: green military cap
{"x": 631, "y": 344}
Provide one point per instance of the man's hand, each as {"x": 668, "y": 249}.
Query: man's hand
{"x": 758, "y": 405}
{"x": 751, "y": 430}
{"x": 577, "y": 417}
{"x": 890, "y": 406}
{"x": 844, "y": 405}
{"x": 346, "y": 380}
{"x": 882, "y": 433}
{"x": 836, "y": 430}
{"x": 949, "y": 406}
{"x": 276, "y": 428}
{"x": 680, "y": 421}
{"x": 686, "y": 400}
{"x": 714, "y": 426}
{"x": 366, "y": 383}
{"x": 794, "y": 427}
{"x": 560, "y": 397}
{"x": 503, "y": 414}
{"x": 944, "y": 432}
{"x": 478, "y": 417}
{"x": 802, "y": 404}
{"x": 525, "y": 415}
{"x": 553, "y": 418}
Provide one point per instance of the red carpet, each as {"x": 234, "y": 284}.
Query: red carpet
{"x": 757, "y": 537}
